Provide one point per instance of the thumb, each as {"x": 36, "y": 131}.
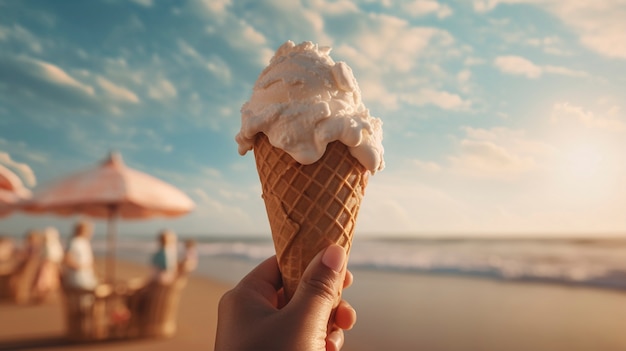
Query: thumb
{"x": 320, "y": 286}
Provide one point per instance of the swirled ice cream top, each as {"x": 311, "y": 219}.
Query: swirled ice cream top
{"x": 303, "y": 100}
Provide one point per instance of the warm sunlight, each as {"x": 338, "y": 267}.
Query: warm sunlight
{"x": 585, "y": 161}
{"x": 589, "y": 170}
{"x": 498, "y": 221}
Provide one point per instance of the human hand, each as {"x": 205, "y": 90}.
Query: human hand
{"x": 253, "y": 316}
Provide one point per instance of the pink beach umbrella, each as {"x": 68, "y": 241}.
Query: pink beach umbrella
{"x": 12, "y": 191}
{"x": 111, "y": 190}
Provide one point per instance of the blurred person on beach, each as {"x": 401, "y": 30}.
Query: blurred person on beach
{"x": 79, "y": 261}
{"x": 49, "y": 275}
{"x": 8, "y": 263}
{"x": 190, "y": 259}
{"x": 254, "y": 316}
{"x": 31, "y": 248}
{"x": 7, "y": 252}
{"x": 22, "y": 280}
{"x": 164, "y": 261}
{"x": 151, "y": 304}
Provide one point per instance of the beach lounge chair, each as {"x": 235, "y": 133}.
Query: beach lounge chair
{"x": 6, "y": 272}
{"x": 22, "y": 280}
{"x": 26, "y": 264}
{"x": 8, "y": 265}
{"x": 154, "y": 308}
{"x": 86, "y": 312}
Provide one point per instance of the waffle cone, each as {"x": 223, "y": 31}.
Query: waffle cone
{"x": 309, "y": 207}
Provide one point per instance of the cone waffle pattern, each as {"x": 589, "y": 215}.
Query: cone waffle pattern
{"x": 309, "y": 207}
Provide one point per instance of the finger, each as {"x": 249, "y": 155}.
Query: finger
{"x": 264, "y": 279}
{"x": 334, "y": 340}
{"x": 319, "y": 287}
{"x": 347, "y": 282}
{"x": 345, "y": 316}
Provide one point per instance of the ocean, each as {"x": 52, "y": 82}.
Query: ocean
{"x": 599, "y": 263}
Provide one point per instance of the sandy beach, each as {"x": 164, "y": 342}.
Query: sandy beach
{"x": 41, "y": 327}
{"x": 396, "y": 311}
{"x": 448, "y": 313}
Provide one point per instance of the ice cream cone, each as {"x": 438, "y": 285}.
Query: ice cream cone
{"x": 309, "y": 207}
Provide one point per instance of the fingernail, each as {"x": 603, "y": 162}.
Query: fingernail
{"x": 334, "y": 258}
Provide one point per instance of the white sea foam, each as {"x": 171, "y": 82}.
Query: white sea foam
{"x": 593, "y": 263}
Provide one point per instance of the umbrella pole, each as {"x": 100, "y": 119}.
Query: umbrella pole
{"x": 111, "y": 244}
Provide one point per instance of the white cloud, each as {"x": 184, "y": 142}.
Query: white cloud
{"x": 425, "y": 7}
{"x": 498, "y": 153}
{"x": 374, "y": 91}
{"x": 22, "y": 36}
{"x": 485, "y": 158}
{"x": 334, "y": 7}
{"x": 564, "y": 71}
{"x": 388, "y": 55}
{"x": 219, "y": 69}
{"x": 551, "y": 45}
{"x": 214, "y": 63}
{"x": 212, "y": 172}
{"x": 474, "y": 61}
{"x": 57, "y": 76}
{"x": 427, "y": 166}
{"x": 600, "y": 24}
{"x": 354, "y": 57}
{"x": 396, "y": 44}
{"x": 464, "y": 76}
{"x": 162, "y": 89}
{"x": 515, "y": 139}
{"x": 565, "y": 112}
{"x": 187, "y": 49}
{"x": 215, "y": 8}
{"x": 441, "y": 99}
{"x": 247, "y": 31}
{"x": 517, "y": 65}
{"x": 117, "y": 92}
{"x": 482, "y": 6}
{"x": 144, "y": 3}
{"x": 237, "y": 31}
{"x": 244, "y": 35}
{"x": 34, "y": 84}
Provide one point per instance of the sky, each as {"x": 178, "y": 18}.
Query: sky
{"x": 500, "y": 117}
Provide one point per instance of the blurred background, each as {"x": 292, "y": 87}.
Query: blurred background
{"x": 500, "y": 215}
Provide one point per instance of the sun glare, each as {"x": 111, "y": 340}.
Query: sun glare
{"x": 590, "y": 170}
{"x": 585, "y": 161}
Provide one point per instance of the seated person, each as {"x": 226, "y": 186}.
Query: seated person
{"x": 79, "y": 261}
{"x": 28, "y": 261}
{"x": 190, "y": 260}
{"x": 164, "y": 260}
{"x": 7, "y": 254}
{"x": 149, "y": 303}
{"x": 48, "y": 277}
{"x": 8, "y": 264}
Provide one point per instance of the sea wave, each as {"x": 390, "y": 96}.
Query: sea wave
{"x": 587, "y": 263}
